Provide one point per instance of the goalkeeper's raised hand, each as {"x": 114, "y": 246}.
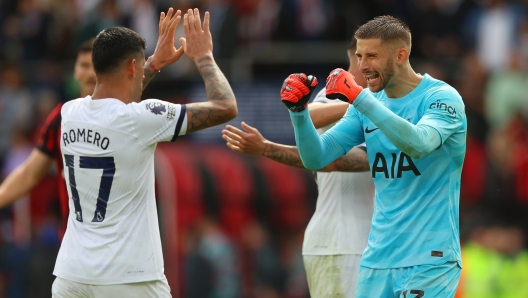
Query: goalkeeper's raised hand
{"x": 296, "y": 91}
{"x": 341, "y": 85}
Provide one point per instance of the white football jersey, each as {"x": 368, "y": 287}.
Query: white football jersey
{"x": 112, "y": 236}
{"x": 343, "y": 215}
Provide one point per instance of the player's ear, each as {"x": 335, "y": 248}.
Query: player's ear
{"x": 402, "y": 55}
{"x": 130, "y": 68}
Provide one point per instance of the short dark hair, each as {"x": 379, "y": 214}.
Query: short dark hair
{"x": 386, "y": 28}
{"x": 115, "y": 45}
{"x": 86, "y": 46}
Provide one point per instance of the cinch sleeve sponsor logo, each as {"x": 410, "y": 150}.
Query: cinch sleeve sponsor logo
{"x": 443, "y": 106}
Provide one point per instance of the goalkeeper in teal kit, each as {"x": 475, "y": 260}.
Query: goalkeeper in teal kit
{"x": 415, "y": 130}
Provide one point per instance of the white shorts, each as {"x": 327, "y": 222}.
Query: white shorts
{"x": 63, "y": 288}
{"x": 332, "y": 275}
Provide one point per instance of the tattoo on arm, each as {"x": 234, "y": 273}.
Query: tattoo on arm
{"x": 149, "y": 74}
{"x": 288, "y": 155}
{"x": 219, "y": 95}
{"x": 356, "y": 160}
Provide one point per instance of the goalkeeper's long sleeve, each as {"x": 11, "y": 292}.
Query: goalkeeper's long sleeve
{"x": 316, "y": 151}
{"x": 414, "y": 140}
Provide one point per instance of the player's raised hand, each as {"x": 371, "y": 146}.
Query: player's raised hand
{"x": 340, "y": 84}
{"x": 249, "y": 141}
{"x": 198, "y": 42}
{"x": 296, "y": 91}
{"x": 165, "y": 52}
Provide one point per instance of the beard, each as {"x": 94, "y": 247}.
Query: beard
{"x": 385, "y": 76}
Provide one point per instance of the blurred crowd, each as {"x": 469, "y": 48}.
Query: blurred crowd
{"x": 478, "y": 46}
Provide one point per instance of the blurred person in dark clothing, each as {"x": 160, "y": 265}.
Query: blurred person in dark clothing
{"x": 267, "y": 274}
{"x": 212, "y": 265}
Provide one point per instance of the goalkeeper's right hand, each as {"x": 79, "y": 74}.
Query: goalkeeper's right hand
{"x": 296, "y": 91}
{"x": 341, "y": 85}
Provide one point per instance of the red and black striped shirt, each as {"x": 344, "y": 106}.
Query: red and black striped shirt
{"x": 49, "y": 144}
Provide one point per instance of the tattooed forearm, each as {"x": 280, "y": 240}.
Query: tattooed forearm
{"x": 201, "y": 117}
{"x": 149, "y": 74}
{"x": 356, "y": 160}
{"x": 288, "y": 155}
{"x": 350, "y": 163}
{"x": 221, "y": 105}
{"x": 216, "y": 85}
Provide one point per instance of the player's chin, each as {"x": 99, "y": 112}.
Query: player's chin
{"x": 375, "y": 88}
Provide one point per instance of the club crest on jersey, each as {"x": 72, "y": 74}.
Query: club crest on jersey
{"x": 156, "y": 108}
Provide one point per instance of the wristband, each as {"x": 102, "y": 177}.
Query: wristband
{"x": 150, "y": 64}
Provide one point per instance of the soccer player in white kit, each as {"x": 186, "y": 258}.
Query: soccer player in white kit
{"x": 112, "y": 245}
{"x": 338, "y": 231}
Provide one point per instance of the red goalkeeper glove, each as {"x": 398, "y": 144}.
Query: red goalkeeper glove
{"x": 296, "y": 91}
{"x": 341, "y": 85}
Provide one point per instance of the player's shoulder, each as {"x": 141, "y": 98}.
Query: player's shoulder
{"x": 152, "y": 107}
{"x": 439, "y": 90}
{"x": 72, "y": 104}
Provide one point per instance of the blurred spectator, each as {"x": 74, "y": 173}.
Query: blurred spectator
{"x": 495, "y": 261}
{"x": 469, "y": 82}
{"x": 11, "y": 47}
{"x": 212, "y": 265}
{"x": 302, "y": 20}
{"x": 33, "y": 29}
{"x": 507, "y": 91}
{"x": 16, "y": 227}
{"x": 105, "y": 15}
{"x": 144, "y": 20}
{"x": 223, "y": 26}
{"x": 267, "y": 277}
{"x": 523, "y": 40}
{"x": 16, "y": 105}
{"x": 62, "y": 18}
{"x": 296, "y": 282}
{"x": 492, "y": 30}
{"x": 508, "y": 147}
{"x": 258, "y": 19}
{"x": 437, "y": 24}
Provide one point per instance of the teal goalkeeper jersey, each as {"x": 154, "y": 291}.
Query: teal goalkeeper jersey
{"x": 415, "y": 218}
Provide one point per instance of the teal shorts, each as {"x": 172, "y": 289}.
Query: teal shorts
{"x": 409, "y": 282}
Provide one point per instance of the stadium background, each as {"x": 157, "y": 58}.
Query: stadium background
{"x": 232, "y": 225}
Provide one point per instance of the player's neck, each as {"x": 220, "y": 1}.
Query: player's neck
{"x": 403, "y": 83}
{"x": 109, "y": 88}
{"x": 87, "y": 91}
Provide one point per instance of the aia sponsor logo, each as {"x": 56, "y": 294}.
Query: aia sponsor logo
{"x": 393, "y": 165}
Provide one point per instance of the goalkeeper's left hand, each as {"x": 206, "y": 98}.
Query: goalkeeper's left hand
{"x": 341, "y": 85}
{"x": 296, "y": 91}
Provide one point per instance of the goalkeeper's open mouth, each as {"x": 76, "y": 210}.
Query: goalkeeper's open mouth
{"x": 372, "y": 78}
